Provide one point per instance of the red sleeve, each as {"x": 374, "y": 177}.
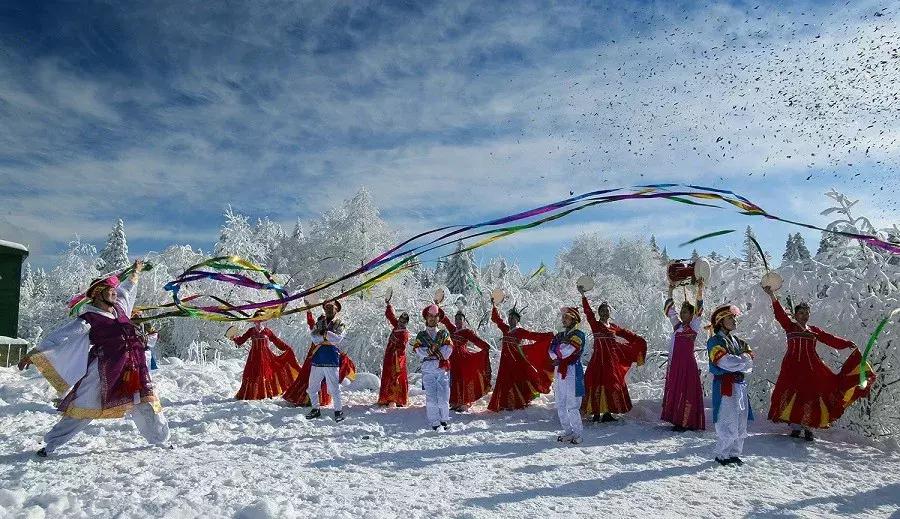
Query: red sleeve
{"x": 636, "y": 343}
{"x": 389, "y": 313}
{"x": 589, "y": 313}
{"x": 280, "y": 344}
{"x": 535, "y": 336}
{"x": 310, "y": 320}
{"x": 448, "y": 324}
{"x": 243, "y": 338}
{"x": 630, "y": 336}
{"x": 838, "y": 343}
{"x": 782, "y": 317}
{"x": 475, "y": 339}
{"x": 495, "y": 316}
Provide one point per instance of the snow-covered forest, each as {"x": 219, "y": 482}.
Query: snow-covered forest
{"x": 851, "y": 287}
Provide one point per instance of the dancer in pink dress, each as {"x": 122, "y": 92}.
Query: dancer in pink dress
{"x": 682, "y": 404}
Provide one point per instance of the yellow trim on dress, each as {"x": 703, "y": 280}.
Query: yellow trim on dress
{"x": 49, "y": 372}
{"x": 87, "y": 413}
{"x": 786, "y": 410}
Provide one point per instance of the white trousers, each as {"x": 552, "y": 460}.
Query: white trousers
{"x": 568, "y": 406}
{"x": 330, "y": 375}
{"x": 731, "y": 427}
{"x": 437, "y": 396}
{"x": 152, "y": 426}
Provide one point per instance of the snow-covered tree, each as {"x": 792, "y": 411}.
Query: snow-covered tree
{"x": 462, "y": 273}
{"x": 236, "y": 238}
{"x": 695, "y": 255}
{"x": 115, "y": 255}
{"x": 751, "y": 253}
{"x": 800, "y": 246}
{"x": 270, "y": 236}
{"x": 790, "y": 250}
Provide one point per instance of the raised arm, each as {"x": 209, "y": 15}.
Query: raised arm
{"x": 781, "y": 316}
{"x": 448, "y": 324}
{"x": 498, "y": 320}
{"x": 389, "y": 313}
{"x": 698, "y": 309}
{"x": 127, "y": 293}
{"x": 588, "y": 312}
{"x": 669, "y": 310}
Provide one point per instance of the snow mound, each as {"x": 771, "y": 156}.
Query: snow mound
{"x": 364, "y": 382}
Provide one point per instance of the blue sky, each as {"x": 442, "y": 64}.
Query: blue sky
{"x": 164, "y": 113}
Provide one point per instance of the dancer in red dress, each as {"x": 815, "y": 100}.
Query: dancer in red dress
{"x": 615, "y": 350}
{"x": 682, "y": 404}
{"x": 297, "y": 393}
{"x": 807, "y": 393}
{"x": 394, "y": 379}
{"x": 526, "y": 370}
{"x": 470, "y": 371}
{"x": 265, "y": 374}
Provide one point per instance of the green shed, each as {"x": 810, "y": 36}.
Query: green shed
{"x": 11, "y": 257}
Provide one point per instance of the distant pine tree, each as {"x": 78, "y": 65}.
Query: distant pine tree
{"x": 751, "y": 253}
{"x": 115, "y": 255}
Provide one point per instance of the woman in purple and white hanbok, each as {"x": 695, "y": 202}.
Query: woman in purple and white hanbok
{"x": 97, "y": 360}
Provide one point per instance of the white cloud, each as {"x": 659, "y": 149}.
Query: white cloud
{"x": 289, "y": 114}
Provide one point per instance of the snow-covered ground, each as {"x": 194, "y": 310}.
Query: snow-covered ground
{"x": 263, "y": 459}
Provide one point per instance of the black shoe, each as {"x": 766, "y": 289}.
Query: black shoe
{"x": 795, "y": 433}
{"x": 315, "y": 413}
{"x": 596, "y": 418}
{"x": 735, "y": 460}
{"x": 723, "y": 462}
{"x": 808, "y": 435}
{"x": 678, "y": 428}
{"x": 339, "y": 416}
{"x": 445, "y": 425}
{"x": 41, "y": 453}
{"x": 607, "y": 417}
{"x": 435, "y": 427}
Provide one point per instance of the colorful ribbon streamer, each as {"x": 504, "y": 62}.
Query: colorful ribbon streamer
{"x": 705, "y": 236}
{"x": 863, "y": 368}
{"x": 403, "y": 254}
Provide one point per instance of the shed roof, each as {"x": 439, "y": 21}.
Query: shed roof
{"x": 9, "y": 247}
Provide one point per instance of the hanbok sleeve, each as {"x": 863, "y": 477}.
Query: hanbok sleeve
{"x": 501, "y": 324}
{"x": 669, "y": 310}
{"x": 127, "y": 293}
{"x": 417, "y": 347}
{"x": 447, "y": 348}
{"x": 389, "y": 314}
{"x": 782, "y": 317}
{"x": 334, "y": 338}
{"x": 241, "y": 339}
{"x": 736, "y": 363}
{"x": 833, "y": 341}
{"x": 62, "y": 357}
{"x": 276, "y": 340}
{"x": 589, "y": 313}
